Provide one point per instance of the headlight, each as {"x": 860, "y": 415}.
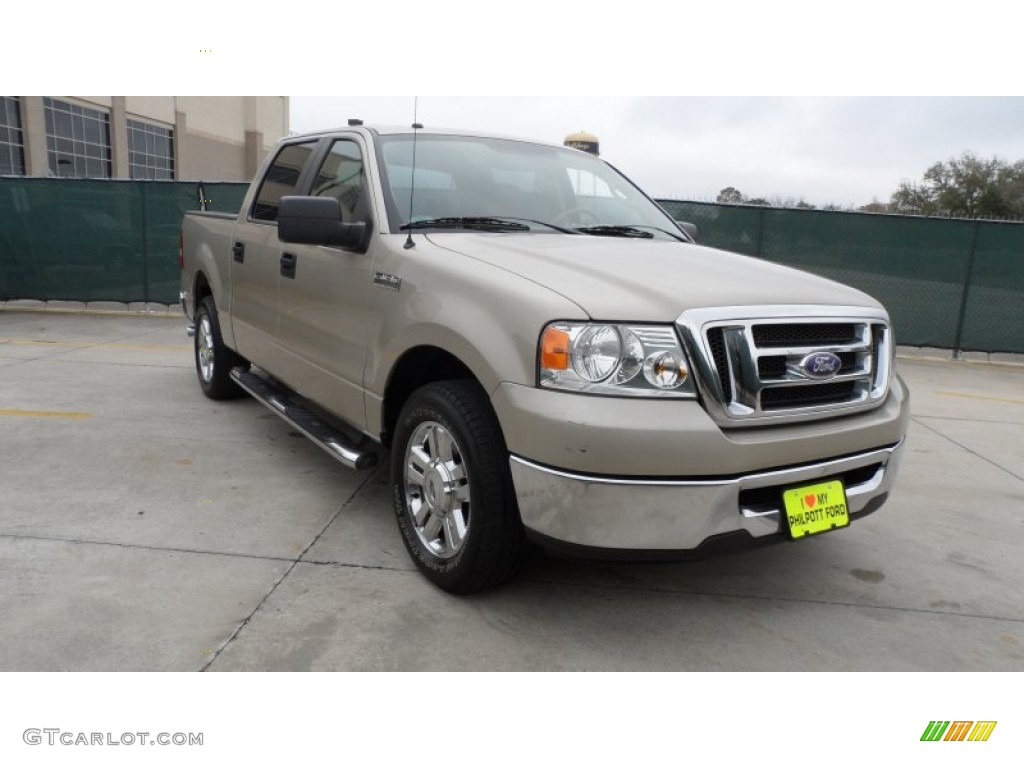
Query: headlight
{"x": 597, "y": 351}
{"x": 614, "y": 359}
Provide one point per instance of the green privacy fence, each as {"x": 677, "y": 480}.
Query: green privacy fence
{"x": 94, "y": 239}
{"x": 951, "y": 283}
{"x": 948, "y": 283}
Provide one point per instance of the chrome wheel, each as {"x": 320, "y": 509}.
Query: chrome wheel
{"x": 437, "y": 489}
{"x": 454, "y": 500}
{"x": 204, "y": 348}
{"x": 214, "y": 361}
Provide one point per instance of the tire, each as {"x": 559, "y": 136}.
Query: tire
{"x": 452, "y": 489}
{"x": 214, "y": 361}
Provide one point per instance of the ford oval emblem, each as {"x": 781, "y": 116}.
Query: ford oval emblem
{"x": 821, "y": 365}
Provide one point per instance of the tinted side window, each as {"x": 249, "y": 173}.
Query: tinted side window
{"x": 341, "y": 177}
{"x": 281, "y": 178}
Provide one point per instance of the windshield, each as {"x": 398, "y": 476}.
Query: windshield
{"x": 462, "y": 181}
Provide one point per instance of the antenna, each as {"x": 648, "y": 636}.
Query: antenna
{"x": 412, "y": 183}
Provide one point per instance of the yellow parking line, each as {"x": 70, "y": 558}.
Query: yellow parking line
{"x": 45, "y": 414}
{"x": 144, "y": 346}
{"x": 63, "y": 311}
{"x": 41, "y": 343}
{"x": 90, "y": 345}
{"x": 1014, "y": 400}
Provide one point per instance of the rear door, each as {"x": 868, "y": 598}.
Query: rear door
{"x": 256, "y": 256}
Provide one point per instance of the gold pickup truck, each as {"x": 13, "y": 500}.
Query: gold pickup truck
{"x": 544, "y": 355}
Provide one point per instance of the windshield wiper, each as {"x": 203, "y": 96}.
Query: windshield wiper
{"x": 674, "y": 235}
{"x": 483, "y": 223}
{"x": 617, "y": 230}
{"x": 556, "y": 227}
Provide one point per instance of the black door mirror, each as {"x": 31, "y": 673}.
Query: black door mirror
{"x": 689, "y": 228}
{"x": 317, "y": 221}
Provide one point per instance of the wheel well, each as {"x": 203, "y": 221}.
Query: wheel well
{"x": 202, "y": 289}
{"x": 417, "y": 367}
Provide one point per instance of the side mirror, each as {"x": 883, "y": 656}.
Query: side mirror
{"x": 317, "y": 221}
{"x": 689, "y": 228}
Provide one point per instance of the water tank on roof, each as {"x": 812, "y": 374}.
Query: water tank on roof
{"x": 583, "y": 140}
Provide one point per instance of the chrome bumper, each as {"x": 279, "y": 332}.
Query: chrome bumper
{"x": 624, "y": 514}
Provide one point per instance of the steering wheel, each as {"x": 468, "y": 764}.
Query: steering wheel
{"x": 582, "y": 216}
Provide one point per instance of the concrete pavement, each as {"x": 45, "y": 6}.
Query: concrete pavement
{"x": 144, "y": 527}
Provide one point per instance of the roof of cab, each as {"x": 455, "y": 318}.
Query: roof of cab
{"x": 394, "y": 130}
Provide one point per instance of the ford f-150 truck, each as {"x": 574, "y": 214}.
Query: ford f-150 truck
{"x": 543, "y": 353}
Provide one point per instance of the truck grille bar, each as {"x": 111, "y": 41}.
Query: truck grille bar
{"x": 753, "y": 364}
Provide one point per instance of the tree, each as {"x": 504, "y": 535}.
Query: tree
{"x": 778, "y": 201}
{"x": 1011, "y": 189}
{"x": 965, "y": 186}
{"x": 910, "y": 197}
{"x": 875, "y": 206}
{"x": 730, "y": 195}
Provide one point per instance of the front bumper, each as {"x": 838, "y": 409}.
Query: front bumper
{"x": 669, "y": 438}
{"x": 626, "y": 517}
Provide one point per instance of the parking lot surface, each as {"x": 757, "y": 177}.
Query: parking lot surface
{"x": 144, "y": 527}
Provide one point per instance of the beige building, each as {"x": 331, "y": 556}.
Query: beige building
{"x": 214, "y": 138}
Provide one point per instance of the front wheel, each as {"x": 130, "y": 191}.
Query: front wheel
{"x": 214, "y": 361}
{"x": 452, "y": 489}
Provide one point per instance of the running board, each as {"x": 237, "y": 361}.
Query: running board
{"x": 281, "y": 401}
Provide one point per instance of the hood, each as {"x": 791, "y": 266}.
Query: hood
{"x": 627, "y": 279}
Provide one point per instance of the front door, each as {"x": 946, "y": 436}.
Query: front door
{"x": 323, "y": 295}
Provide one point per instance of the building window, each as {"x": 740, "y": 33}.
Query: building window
{"x": 77, "y": 140}
{"x": 12, "y": 143}
{"x": 150, "y": 151}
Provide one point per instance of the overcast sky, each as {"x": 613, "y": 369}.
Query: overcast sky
{"x": 846, "y": 150}
{"x": 562, "y": 67}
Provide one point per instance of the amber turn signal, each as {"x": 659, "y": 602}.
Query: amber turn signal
{"x": 554, "y": 349}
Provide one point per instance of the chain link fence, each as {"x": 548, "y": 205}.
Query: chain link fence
{"x": 98, "y": 240}
{"x": 949, "y": 283}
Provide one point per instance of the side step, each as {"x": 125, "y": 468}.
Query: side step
{"x": 352, "y": 453}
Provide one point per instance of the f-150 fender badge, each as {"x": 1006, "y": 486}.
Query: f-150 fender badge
{"x": 384, "y": 280}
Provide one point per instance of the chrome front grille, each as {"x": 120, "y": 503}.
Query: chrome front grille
{"x": 752, "y": 363}
{"x": 804, "y": 334}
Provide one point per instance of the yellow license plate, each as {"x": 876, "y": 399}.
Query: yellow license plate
{"x": 816, "y": 508}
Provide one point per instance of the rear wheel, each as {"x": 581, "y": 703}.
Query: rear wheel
{"x": 214, "y": 361}
{"x": 452, "y": 489}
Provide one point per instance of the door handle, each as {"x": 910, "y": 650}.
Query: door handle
{"x": 238, "y": 251}
{"x": 288, "y": 261}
